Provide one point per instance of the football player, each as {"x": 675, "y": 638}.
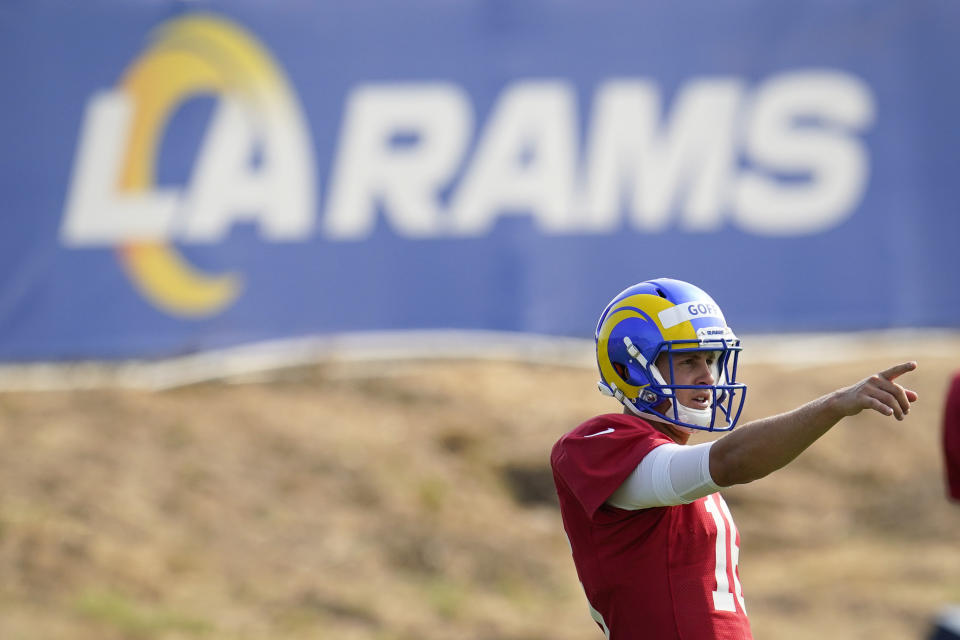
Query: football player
{"x": 654, "y": 543}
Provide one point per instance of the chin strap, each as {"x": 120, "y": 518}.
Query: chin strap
{"x": 700, "y": 417}
{"x": 647, "y": 415}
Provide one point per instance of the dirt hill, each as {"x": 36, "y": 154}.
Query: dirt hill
{"x": 413, "y": 501}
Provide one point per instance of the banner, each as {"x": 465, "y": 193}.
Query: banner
{"x": 181, "y": 176}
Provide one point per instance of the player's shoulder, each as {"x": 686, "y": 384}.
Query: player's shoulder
{"x": 611, "y": 423}
{"x": 609, "y": 441}
{"x": 609, "y": 426}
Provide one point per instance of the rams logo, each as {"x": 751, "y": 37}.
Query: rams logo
{"x": 114, "y": 199}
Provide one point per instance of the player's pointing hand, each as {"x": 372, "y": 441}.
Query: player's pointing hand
{"x": 878, "y": 392}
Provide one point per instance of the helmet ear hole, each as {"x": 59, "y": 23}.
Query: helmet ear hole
{"x": 621, "y": 370}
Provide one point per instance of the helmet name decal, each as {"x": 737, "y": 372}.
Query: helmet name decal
{"x": 689, "y": 311}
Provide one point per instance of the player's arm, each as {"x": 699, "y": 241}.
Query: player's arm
{"x": 671, "y": 474}
{"x": 762, "y": 446}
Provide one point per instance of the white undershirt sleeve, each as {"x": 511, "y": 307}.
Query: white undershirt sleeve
{"x": 671, "y": 474}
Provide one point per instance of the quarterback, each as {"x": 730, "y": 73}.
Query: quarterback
{"x": 654, "y": 544}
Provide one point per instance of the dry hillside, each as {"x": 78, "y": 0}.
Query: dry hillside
{"x": 413, "y": 501}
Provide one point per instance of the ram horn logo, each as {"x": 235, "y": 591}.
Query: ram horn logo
{"x": 114, "y": 199}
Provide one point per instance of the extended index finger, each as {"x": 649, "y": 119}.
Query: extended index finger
{"x": 898, "y": 370}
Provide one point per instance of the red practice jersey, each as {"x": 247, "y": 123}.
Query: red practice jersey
{"x": 951, "y": 437}
{"x": 652, "y": 574}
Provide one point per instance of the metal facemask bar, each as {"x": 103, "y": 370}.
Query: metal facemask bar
{"x": 723, "y": 394}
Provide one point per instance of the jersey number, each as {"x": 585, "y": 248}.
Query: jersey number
{"x": 722, "y": 597}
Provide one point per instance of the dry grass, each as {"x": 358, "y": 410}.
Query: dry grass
{"x": 413, "y": 501}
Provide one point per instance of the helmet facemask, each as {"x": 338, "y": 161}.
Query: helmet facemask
{"x": 725, "y": 395}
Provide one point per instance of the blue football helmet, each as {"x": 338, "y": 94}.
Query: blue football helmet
{"x": 666, "y": 317}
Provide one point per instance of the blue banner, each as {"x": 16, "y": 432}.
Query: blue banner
{"x": 180, "y": 176}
